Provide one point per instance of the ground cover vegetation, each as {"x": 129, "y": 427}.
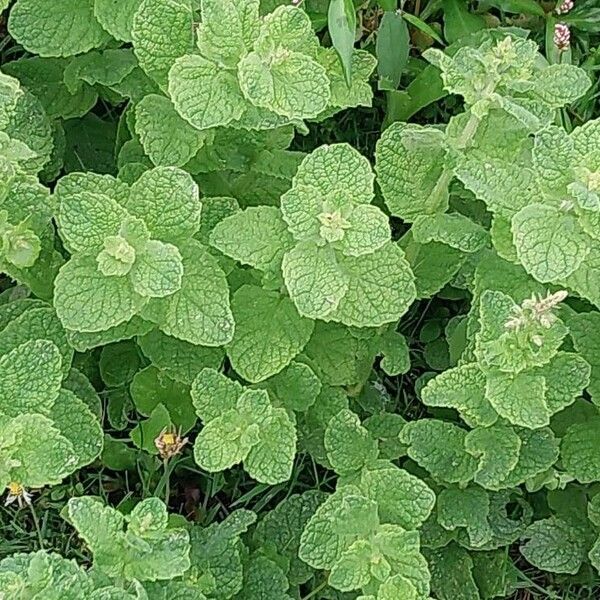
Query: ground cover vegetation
{"x": 299, "y": 300}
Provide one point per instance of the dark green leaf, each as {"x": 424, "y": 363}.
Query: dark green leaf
{"x": 342, "y": 29}
{"x": 458, "y": 21}
{"x": 393, "y": 44}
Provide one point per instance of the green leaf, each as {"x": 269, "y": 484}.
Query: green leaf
{"x": 402, "y": 498}
{"x": 550, "y": 244}
{"x": 199, "y": 312}
{"x": 79, "y": 426}
{"x": 392, "y": 48}
{"x": 271, "y": 460}
{"x": 349, "y": 445}
{"x": 180, "y": 360}
{"x": 287, "y": 83}
{"x": 157, "y": 271}
{"x": 41, "y": 455}
{"x": 162, "y": 31}
{"x": 337, "y": 168}
{"x": 147, "y": 551}
{"x": 439, "y": 447}
{"x": 264, "y": 579}
{"x": 497, "y": 449}
{"x": 580, "y": 453}
{"x": 459, "y": 21}
{"x": 409, "y": 165}
{"x": 539, "y": 451}
{"x": 335, "y": 525}
{"x": 226, "y": 45}
{"x": 554, "y": 545}
{"x": 521, "y": 398}
{"x": 217, "y": 554}
{"x": 452, "y": 573}
{"x": 151, "y": 388}
{"x": 167, "y": 139}
{"x": 37, "y": 323}
{"x": 227, "y": 439}
{"x": 359, "y": 92}
{"x": 585, "y": 333}
{"x": 205, "y": 95}
{"x": 167, "y": 200}
{"x": 295, "y": 388}
{"x": 213, "y": 393}
{"x": 452, "y": 229}
{"x": 116, "y": 16}
{"x": 30, "y": 376}
{"x": 86, "y": 219}
{"x": 88, "y": 301}
{"x": 462, "y": 388}
{"x": 468, "y": 508}
{"x": 257, "y": 236}
{"x": 62, "y": 28}
{"x": 313, "y": 279}
{"x": 341, "y": 22}
{"x": 385, "y": 279}
{"x": 265, "y": 321}
{"x": 282, "y": 528}
{"x": 144, "y": 434}
{"x": 44, "y": 78}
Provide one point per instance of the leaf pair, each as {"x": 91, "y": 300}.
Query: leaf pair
{"x": 242, "y": 426}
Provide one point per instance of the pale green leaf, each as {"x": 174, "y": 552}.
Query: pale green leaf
{"x": 199, "y": 312}
{"x": 86, "y": 219}
{"x": 87, "y": 301}
{"x": 349, "y": 445}
{"x": 226, "y": 45}
{"x": 497, "y": 449}
{"x": 580, "y": 452}
{"x": 554, "y": 545}
{"x": 439, "y": 447}
{"x": 116, "y": 16}
{"x": 167, "y": 200}
{"x": 205, "y": 95}
{"x": 269, "y": 333}
{"x": 520, "y": 398}
{"x": 314, "y": 279}
{"x": 167, "y": 139}
{"x": 61, "y": 28}
{"x": 550, "y": 244}
{"x": 162, "y": 31}
{"x": 181, "y": 360}
{"x": 468, "y": 508}
{"x": 410, "y": 166}
{"x": 257, "y": 236}
{"x": 271, "y": 460}
{"x": 452, "y": 229}
{"x": 41, "y": 454}
{"x": 79, "y": 426}
{"x": 380, "y": 288}
{"x": 462, "y": 388}
{"x": 157, "y": 271}
{"x": 30, "y": 378}
{"x": 213, "y": 393}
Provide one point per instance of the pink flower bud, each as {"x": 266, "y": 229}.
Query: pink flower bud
{"x": 562, "y": 36}
{"x": 564, "y": 7}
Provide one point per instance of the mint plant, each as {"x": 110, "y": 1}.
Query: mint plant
{"x": 268, "y": 333}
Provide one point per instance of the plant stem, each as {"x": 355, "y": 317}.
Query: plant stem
{"x": 312, "y": 594}
{"x": 462, "y": 142}
{"x": 167, "y": 481}
{"x": 37, "y": 526}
